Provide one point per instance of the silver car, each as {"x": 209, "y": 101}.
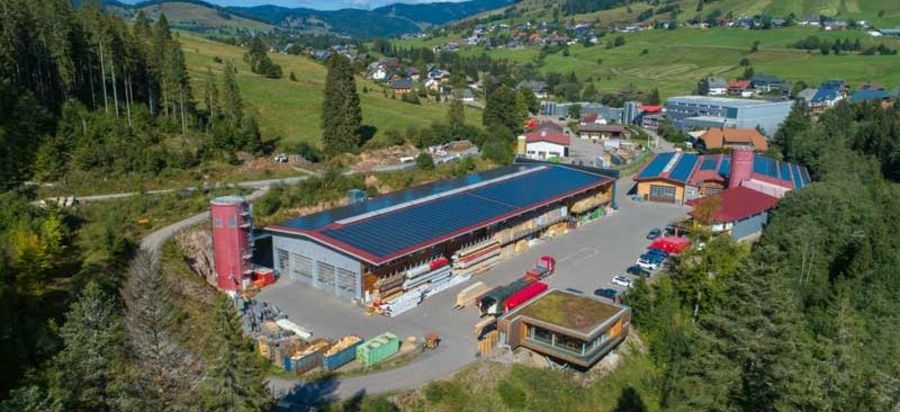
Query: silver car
{"x": 622, "y": 281}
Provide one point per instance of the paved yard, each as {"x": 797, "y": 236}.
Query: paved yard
{"x": 587, "y": 259}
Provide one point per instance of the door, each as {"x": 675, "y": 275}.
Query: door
{"x": 301, "y": 268}
{"x": 346, "y": 283}
{"x": 326, "y": 276}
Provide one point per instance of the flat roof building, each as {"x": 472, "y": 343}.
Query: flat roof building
{"x": 702, "y": 112}
{"x": 347, "y": 250}
{"x": 574, "y": 328}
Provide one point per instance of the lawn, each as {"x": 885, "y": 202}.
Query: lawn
{"x": 290, "y": 110}
{"x": 675, "y": 60}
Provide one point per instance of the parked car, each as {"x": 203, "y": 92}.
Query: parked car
{"x": 573, "y": 290}
{"x": 647, "y": 263}
{"x": 609, "y": 293}
{"x": 654, "y": 233}
{"x": 622, "y": 281}
{"x": 657, "y": 252}
{"x": 638, "y": 271}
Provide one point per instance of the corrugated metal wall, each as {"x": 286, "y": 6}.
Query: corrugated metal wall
{"x": 308, "y": 262}
{"x": 749, "y": 226}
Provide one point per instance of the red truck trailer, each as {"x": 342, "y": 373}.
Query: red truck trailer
{"x": 494, "y": 302}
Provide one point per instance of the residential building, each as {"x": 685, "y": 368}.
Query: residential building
{"x": 467, "y": 96}
{"x": 717, "y": 86}
{"x": 767, "y": 83}
{"x": 865, "y": 95}
{"x": 741, "y": 211}
{"x": 540, "y": 89}
{"x": 825, "y": 98}
{"x": 596, "y": 131}
{"x": 401, "y": 86}
{"x": 741, "y": 88}
{"x": 703, "y": 112}
{"x": 717, "y": 139}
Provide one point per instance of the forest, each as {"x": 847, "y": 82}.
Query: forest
{"x": 86, "y": 95}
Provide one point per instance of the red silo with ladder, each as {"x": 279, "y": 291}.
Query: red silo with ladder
{"x": 232, "y": 241}
{"x": 741, "y": 165}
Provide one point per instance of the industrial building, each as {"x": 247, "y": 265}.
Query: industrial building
{"x": 402, "y": 245}
{"x": 678, "y": 177}
{"x": 703, "y": 112}
{"x": 574, "y": 328}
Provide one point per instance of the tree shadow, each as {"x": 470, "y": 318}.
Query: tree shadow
{"x": 368, "y": 132}
{"x": 307, "y": 396}
{"x": 630, "y": 401}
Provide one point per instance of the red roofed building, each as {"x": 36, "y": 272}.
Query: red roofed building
{"x": 544, "y": 144}
{"x": 742, "y": 211}
{"x": 740, "y": 87}
{"x": 651, "y": 108}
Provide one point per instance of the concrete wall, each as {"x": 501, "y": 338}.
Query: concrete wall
{"x": 643, "y": 188}
{"x": 347, "y": 270}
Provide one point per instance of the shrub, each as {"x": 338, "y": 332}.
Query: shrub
{"x": 424, "y": 161}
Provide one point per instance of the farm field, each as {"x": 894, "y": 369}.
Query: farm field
{"x": 675, "y": 60}
{"x": 290, "y": 110}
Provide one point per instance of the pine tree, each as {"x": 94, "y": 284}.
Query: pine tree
{"x": 211, "y": 95}
{"x": 500, "y": 108}
{"x": 341, "y": 112}
{"x": 84, "y": 374}
{"x": 456, "y": 114}
{"x": 797, "y": 122}
{"x": 703, "y": 86}
{"x": 232, "y": 104}
{"x": 233, "y": 379}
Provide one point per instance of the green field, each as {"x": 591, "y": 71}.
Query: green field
{"x": 290, "y": 110}
{"x": 882, "y": 13}
{"x": 188, "y": 15}
{"x": 675, "y": 60}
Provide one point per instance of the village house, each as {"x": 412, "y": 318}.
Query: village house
{"x": 401, "y": 86}
{"x": 717, "y": 139}
{"x": 717, "y": 86}
{"x": 594, "y": 131}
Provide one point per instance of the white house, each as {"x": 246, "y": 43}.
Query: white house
{"x": 545, "y": 144}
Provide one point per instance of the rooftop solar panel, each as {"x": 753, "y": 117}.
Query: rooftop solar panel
{"x": 709, "y": 163}
{"x": 725, "y": 167}
{"x": 759, "y": 165}
{"x": 403, "y": 227}
{"x": 797, "y": 177}
{"x": 805, "y": 173}
{"x": 656, "y": 165}
{"x": 683, "y": 169}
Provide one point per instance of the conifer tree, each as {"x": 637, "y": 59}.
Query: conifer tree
{"x": 456, "y": 114}
{"x": 232, "y": 104}
{"x": 233, "y": 380}
{"x": 341, "y": 112}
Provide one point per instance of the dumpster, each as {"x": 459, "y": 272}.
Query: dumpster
{"x": 377, "y": 349}
{"x": 341, "y": 353}
{"x": 308, "y": 358}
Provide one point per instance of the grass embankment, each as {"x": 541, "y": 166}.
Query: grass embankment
{"x": 291, "y": 110}
{"x": 675, "y": 60}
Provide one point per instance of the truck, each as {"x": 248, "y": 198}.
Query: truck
{"x": 496, "y": 301}
{"x": 544, "y": 267}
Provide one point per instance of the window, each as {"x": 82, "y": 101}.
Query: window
{"x": 662, "y": 192}
{"x": 217, "y": 222}
{"x": 326, "y": 275}
{"x": 346, "y": 282}
{"x": 232, "y": 222}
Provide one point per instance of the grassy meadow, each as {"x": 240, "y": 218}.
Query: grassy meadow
{"x": 289, "y": 110}
{"x": 675, "y": 60}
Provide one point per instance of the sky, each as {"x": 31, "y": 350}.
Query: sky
{"x": 318, "y": 4}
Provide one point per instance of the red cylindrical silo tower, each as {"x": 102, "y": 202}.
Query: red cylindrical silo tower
{"x": 232, "y": 237}
{"x": 741, "y": 165}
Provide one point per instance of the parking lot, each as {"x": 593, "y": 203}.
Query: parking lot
{"x": 587, "y": 259}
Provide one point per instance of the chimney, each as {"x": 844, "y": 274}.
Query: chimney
{"x": 741, "y": 165}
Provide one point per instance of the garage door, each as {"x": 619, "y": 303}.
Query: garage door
{"x": 662, "y": 193}
{"x": 326, "y": 276}
{"x": 346, "y": 283}
{"x": 301, "y": 268}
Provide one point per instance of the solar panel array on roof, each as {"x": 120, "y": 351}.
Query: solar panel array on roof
{"x": 657, "y": 164}
{"x": 415, "y": 223}
{"x": 800, "y": 178}
{"x": 390, "y": 232}
{"x": 765, "y": 166}
{"x": 683, "y": 169}
{"x": 709, "y": 163}
{"x": 725, "y": 167}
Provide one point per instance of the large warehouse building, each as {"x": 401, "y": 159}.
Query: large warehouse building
{"x": 703, "y": 112}
{"x": 381, "y": 248}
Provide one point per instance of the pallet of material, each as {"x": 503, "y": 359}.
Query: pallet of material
{"x": 480, "y": 266}
{"x": 435, "y": 288}
{"x": 470, "y": 293}
{"x": 441, "y": 273}
{"x": 469, "y": 250}
{"x": 482, "y": 255}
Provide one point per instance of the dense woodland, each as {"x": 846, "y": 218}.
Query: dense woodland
{"x": 85, "y": 94}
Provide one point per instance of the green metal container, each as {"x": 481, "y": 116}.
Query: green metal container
{"x": 377, "y": 349}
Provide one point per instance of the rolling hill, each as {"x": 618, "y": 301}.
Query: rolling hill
{"x": 290, "y": 110}
{"x": 199, "y": 16}
{"x": 879, "y": 12}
